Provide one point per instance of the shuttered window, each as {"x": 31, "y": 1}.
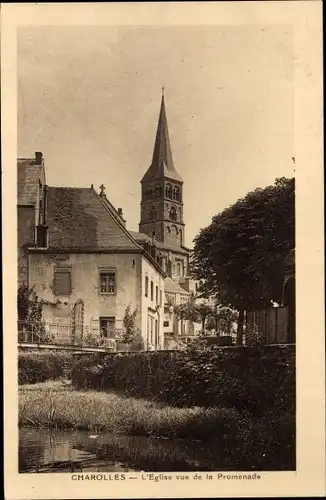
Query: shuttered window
{"x": 62, "y": 281}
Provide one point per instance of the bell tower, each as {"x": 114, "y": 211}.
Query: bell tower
{"x": 161, "y": 191}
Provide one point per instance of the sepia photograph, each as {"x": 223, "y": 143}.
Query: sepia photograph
{"x": 156, "y": 249}
{"x": 159, "y": 182}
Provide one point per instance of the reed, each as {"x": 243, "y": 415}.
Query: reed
{"x": 56, "y": 404}
{"x": 267, "y": 443}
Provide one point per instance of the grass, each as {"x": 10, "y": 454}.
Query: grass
{"x": 266, "y": 443}
{"x": 55, "y": 404}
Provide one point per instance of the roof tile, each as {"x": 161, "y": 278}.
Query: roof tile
{"x": 78, "y": 219}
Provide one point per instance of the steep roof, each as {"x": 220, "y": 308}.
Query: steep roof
{"x": 142, "y": 238}
{"x": 162, "y": 161}
{"x": 28, "y": 176}
{"x": 171, "y": 286}
{"x": 78, "y": 219}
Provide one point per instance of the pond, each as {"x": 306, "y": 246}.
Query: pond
{"x": 43, "y": 450}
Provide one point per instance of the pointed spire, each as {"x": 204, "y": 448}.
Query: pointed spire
{"x": 162, "y": 148}
{"x": 162, "y": 161}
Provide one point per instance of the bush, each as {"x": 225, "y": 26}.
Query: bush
{"x": 36, "y": 367}
{"x": 252, "y": 379}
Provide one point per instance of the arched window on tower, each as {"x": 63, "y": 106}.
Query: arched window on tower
{"x": 176, "y": 193}
{"x": 149, "y": 193}
{"x": 158, "y": 191}
{"x": 173, "y": 213}
{"x": 168, "y": 191}
{"x": 152, "y": 213}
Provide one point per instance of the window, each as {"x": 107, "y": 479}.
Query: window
{"x": 179, "y": 270}
{"x": 156, "y": 334}
{"x": 173, "y": 213}
{"x": 152, "y": 291}
{"x": 176, "y": 193}
{"x": 160, "y": 297}
{"x": 156, "y": 295}
{"x": 158, "y": 191}
{"x": 107, "y": 281}
{"x": 152, "y": 214}
{"x": 107, "y": 327}
{"x": 165, "y": 323}
{"x": 168, "y": 191}
{"x": 146, "y": 286}
{"x": 62, "y": 281}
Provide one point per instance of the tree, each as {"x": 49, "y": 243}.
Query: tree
{"x": 181, "y": 311}
{"x": 28, "y": 304}
{"x": 191, "y": 308}
{"x": 29, "y": 308}
{"x": 226, "y": 316}
{"x": 187, "y": 310}
{"x": 129, "y": 325}
{"x": 204, "y": 310}
{"x": 240, "y": 255}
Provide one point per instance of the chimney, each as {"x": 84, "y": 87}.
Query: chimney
{"x": 120, "y": 212}
{"x": 45, "y": 204}
{"x": 38, "y": 158}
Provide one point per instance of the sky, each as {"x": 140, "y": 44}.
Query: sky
{"x": 89, "y": 99}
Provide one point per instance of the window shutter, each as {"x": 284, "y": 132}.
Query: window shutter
{"x": 62, "y": 281}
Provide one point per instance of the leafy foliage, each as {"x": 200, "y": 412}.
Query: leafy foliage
{"x": 252, "y": 379}
{"x": 187, "y": 310}
{"x": 29, "y": 305}
{"x": 30, "y": 313}
{"x": 226, "y": 316}
{"x": 204, "y": 311}
{"x": 129, "y": 325}
{"x": 36, "y": 367}
{"x": 240, "y": 255}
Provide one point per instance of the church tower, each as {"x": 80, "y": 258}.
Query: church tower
{"x": 161, "y": 191}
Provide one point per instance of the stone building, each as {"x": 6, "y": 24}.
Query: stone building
{"x": 162, "y": 226}
{"x": 76, "y": 252}
{"x": 31, "y": 201}
{"x": 75, "y": 249}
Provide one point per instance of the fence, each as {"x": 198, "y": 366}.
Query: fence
{"x": 270, "y": 325}
{"x": 66, "y": 334}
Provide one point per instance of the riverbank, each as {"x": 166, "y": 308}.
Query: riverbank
{"x": 54, "y": 404}
{"x": 267, "y": 443}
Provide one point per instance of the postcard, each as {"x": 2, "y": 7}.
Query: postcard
{"x": 163, "y": 250}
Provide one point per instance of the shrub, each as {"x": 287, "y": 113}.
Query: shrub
{"x": 252, "y": 379}
{"x": 36, "y": 367}
{"x": 129, "y": 325}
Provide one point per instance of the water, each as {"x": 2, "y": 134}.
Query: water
{"x": 43, "y": 450}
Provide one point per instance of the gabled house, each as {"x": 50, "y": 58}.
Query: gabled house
{"x": 87, "y": 268}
